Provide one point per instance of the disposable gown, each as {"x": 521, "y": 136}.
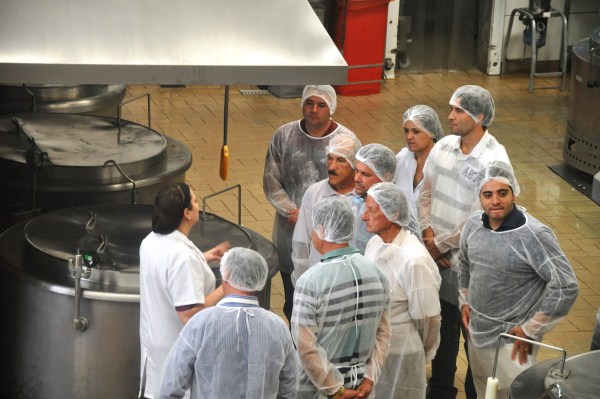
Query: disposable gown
{"x": 294, "y": 161}
{"x": 233, "y": 350}
{"x": 362, "y": 236}
{"x": 340, "y": 323}
{"x": 415, "y": 314}
{"x": 449, "y": 196}
{"x": 519, "y": 277}
{"x": 304, "y": 254}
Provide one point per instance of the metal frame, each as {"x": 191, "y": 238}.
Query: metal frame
{"x": 563, "y": 54}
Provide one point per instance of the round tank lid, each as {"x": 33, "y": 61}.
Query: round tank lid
{"x": 580, "y": 377}
{"x": 109, "y": 237}
{"x": 71, "y": 140}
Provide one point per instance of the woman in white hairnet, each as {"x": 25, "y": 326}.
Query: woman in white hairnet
{"x": 414, "y": 284}
{"x": 296, "y": 159}
{"x": 422, "y": 129}
{"x": 235, "y": 349}
{"x": 514, "y": 278}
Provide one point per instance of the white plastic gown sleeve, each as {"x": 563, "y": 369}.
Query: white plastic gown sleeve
{"x": 516, "y": 277}
{"x": 414, "y": 284}
{"x": 334, "y": 329}
{"x": 248, "y": 345}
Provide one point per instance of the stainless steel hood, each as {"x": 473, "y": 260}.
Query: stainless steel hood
{"x": 166, "y": 42}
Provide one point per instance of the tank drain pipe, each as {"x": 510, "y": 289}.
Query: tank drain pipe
{"x": 133, "y": 193}
{"x": 79, "y": 270}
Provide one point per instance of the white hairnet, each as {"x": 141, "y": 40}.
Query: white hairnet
{"x": 244, "y": 269}
{"x": 500, "y": 171}
{"x": 425, "y": 118}
{"x": 345, "y": 145}
{"x": 475, "y": 100}
{"x": 333, "y": 220}
{"x": 326, "y": 92}
{"x": 392, "y": 202}
{"x": 380, "y": 159}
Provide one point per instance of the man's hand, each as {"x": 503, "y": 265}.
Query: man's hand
{"x": 519, "y": 347}
{"x": 429, "y": 242}
{"x": 293, "y": 215}
{"x": 465, "y": 312}
{"x": 217, "y": 252}
{"x": 364, "y": 389}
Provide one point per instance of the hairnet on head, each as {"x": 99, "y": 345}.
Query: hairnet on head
{"x": 244, "y": 269}
{"x": 426, "y": 119}
{"x": 392, "y": 202}
{"x": 500, "y": 171}
{"x": 475, "y": 100}
{"x": 333, "y": 220}
{"x": 380, "y": 159}
{"x": 344, "y": 145}
{"x": 326, "y": 92}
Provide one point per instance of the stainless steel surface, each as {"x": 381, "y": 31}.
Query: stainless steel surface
{"x": 580, "y": 380}
{"x": 114, "y": 233}
{"x": 582, "y": 139}
{"x": 583, "y": 382}
{"x": 74, "y": 170}
{"x": 530, "y": 383}
{"x": 79, "y": 99}
{"x": 166, "y": 42}
{"x": 43, "y": 355}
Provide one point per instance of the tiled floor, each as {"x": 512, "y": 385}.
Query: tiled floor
{"x": 531, "y": 126}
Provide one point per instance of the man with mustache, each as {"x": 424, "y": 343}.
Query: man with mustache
{"x": 341, "y": 160}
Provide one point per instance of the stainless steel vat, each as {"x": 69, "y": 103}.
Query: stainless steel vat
{"x": 44, "y": 355}
{"x": 100, "y": 100}
{"x": 581, "y": 148}
{"x": 54, "y": 161}
{"x": 581, "y": 379}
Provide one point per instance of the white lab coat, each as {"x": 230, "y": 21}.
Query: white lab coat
{"x": 173, "y": 272}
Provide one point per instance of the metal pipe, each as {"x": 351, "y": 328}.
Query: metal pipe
{"x": 120, "y": 108}
{"x": 133, "y": 194}
{"x": 76, "y": 266}
{"x": 504, "y": 335}
{"x": 239, "y": 187}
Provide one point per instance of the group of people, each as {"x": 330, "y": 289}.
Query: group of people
{"x": 384, "y": 259}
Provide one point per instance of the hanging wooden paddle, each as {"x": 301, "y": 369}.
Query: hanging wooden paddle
{"x": 225, "y": 151}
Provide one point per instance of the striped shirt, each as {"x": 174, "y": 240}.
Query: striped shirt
{"x": 449, "y": 196}
{"x": 343, "y": 302}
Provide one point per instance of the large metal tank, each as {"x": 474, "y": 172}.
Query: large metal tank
{"x": 582, "y": 141}
{"x": 54, "y": 161}
{"x": 578, "y": 379}
{"x": 102, "y": 100}
{"x": 48, "y": 351}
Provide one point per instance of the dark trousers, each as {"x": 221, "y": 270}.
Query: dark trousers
{"x": 443, "y": 366}
{"x": 288, "y": 291}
